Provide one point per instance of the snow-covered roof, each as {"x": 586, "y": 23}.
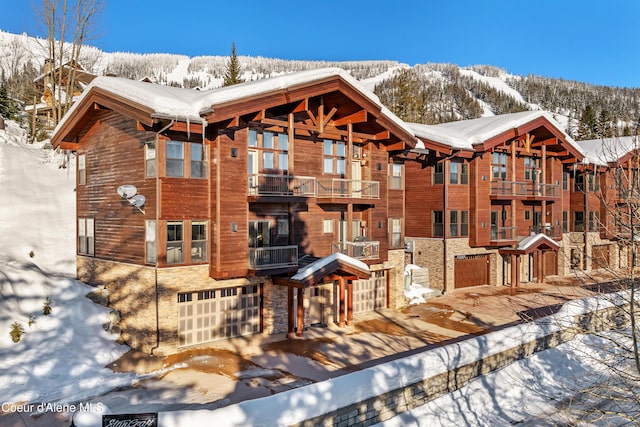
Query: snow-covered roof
{"x": 608, "y": 150}
{"x": 536, "y": 240}
{"x": 191, "y": 105}
{"x": 463, "y": 134}
{"x": 323, "y": 263}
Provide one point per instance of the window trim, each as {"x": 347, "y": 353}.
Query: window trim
{"x": 82, "y": 169}
{"x": 86, "y": 236}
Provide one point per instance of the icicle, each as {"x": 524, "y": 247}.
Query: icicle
{"x": 188, "y": 128}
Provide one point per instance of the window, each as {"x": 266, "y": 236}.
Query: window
{"x": 437, "y": 224}
{"x": 594, "y": 182}
{"x": 175, "y": 158}
{"x": 579, "y": 183}
{"x": 458, "y": 223}
{"x": 453, "y": 173}
{"x": 283, "y": 227}
{"x": 334, "y": 162}
{"x": 565, "y": 222}
{"x": 82, "y": 169}
{"x": 395, "y": 182}
{"x": 259, "y": 234}
{"x": 565, "y": 180}
{"x": 151, "y": 242}
{"x": 198, "y": 161}
{"x": 527, "y": 215}
{"x": 594, "y": 221}
{"x": 530, "y": 166}
{"x": 199, "y": 241}
{"x": 499, "y": 166}
{"x": 150, "y": 164}
{"x": 175, "y": 242}
{"x": 438, "y": 173}
{"x": 86, "y": 236}
{"x": 458, "y": 173}
{"x": 578, "y": 221}
{"x": 395, "y": 232}
{"x": 327, "y": 226}
{"x": 273, "y": 147}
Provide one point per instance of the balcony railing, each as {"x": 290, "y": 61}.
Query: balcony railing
{"x": 502, "y": 233}
{"x": 346, "y": 188}
{"x": 358, "y": 250}
{"x": 273, "y": 257}
{"x": 282, "y": 185}
{"x": 553, "y": 232}
{"x": 625, "y": 194}
{"x": 528, "y": 188}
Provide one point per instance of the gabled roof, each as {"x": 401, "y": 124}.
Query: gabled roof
{"x": 480, "y": 134}
{"x": 152, "y": 101}
{"x": 607, "y": 151}
{"x": 317, "y": 271}
{"x": 532, "y": 243}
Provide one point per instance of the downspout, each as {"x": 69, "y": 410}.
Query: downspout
{"x": 445, "y": 180}
{"x": 155, "y": 268}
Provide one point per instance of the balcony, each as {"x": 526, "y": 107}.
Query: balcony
{"x": 549, "y": 231}
{"x": 503, "y": 234}
{"x": 337, "y": 188}
{"x": 358, "y": 250}
{"x": 528, "y": 189}
{"x": 273, "y": 257}
{"x": 282, "y": 185}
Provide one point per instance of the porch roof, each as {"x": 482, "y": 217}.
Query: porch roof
{"x": 338, "y": 263}
{"x": 532, "y": 243}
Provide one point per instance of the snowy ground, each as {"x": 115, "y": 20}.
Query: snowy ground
{"x": 61, "y": 357}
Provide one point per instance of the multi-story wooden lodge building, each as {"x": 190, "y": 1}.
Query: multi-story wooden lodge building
{"x": 275, "y": 205}
{"x": 498, "y": 199}
{"x": 264, "y": 207}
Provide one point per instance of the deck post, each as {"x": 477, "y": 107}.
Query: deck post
{"x": 341, "y": 299}
{"x": 290, "y": 308}
{"x": 300, "y": 329}
{"x": 350, "y": 303}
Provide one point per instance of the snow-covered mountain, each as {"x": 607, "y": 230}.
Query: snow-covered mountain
{"x": 433, "y": 93}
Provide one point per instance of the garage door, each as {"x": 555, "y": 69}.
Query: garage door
{"x": 370, "y": 294}
{"x": 471, "y": 270}
{"x": 211, "y": 315}
{"x": 600, "y": 257}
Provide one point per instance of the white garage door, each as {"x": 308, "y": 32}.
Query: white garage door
{"x": 371, "y": 294}
{"x": 217, "y": 314}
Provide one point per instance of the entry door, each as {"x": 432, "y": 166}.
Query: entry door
{"x": 259, "y": 234}
{"x": 316, "y": 306}
{"x": 494, "y": 225}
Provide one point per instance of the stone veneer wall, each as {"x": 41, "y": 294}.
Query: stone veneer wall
{"x": 430, "y": 253}
{"x": 395, "y": 278}
{"x": 584, "y": 243}
{"x": 131, "y": 290}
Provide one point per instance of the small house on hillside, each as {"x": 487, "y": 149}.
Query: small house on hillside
{"x": 263, "y": 207}
{"x": 74, "y": 80}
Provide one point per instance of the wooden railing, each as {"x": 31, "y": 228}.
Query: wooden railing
{"x": 502, "y": 233}
{"x": 553, "y": 232}
{"x": 273, "y": 257}
{"x": 527, "y": 188}
{"x": 358, "y": 250}
{"x": 281, "y": 185}
{"x": 345, "y": 188}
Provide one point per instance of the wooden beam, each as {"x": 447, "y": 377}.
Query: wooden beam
{"x": 341, "y": 300}
{"x": 359, "y": 117}
{"x": 300, "y": 327}
{"x": 302, "y": 106}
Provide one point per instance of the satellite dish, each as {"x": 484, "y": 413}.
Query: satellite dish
{"x": 127, "y": 191}
{"x": 138, "y": 201}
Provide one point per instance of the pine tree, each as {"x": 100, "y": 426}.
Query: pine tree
{"x": 588, "y": 126}
{"x": 232, "y": 73}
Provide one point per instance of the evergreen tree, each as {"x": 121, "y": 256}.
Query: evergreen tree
{"x": 588, "y": 126}
{"x": 232, "y": 73}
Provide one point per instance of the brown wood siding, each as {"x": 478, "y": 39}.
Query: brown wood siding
{"x": 422, "y": 198}
{"x": 115, "y": 156}
{"x": 183, "y": 198}
{"x": 480, "y": 203}
{"x": 230, "y": 251}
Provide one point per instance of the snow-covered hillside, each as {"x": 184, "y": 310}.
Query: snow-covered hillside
{"x": 61, "y": 357}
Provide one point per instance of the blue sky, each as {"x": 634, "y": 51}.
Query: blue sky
{"x": 584, "y": 40}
